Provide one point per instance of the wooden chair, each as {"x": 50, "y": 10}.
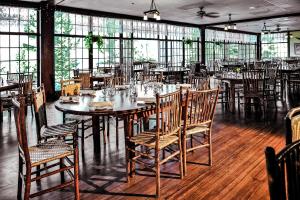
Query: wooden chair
{"x": 198, "y": 118}
{"x": 270, "y": 84}
{"x": 198, "y": 82}
{"x": 85, "y": 78}
{"x": 70, "y": 87}
{"x": 27, "y": 89}
{"x": 49, "y": 154}
{"x": 152, "y": 77}
{"x": 44, "y": 131}
{"x": 283, "y": 172}
{"x": 292, "y": 125}
{"x": 167, "y": 133}
{"x": 253, "y": 82}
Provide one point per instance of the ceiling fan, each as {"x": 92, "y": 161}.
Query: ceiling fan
{"x": 203, "y": 13}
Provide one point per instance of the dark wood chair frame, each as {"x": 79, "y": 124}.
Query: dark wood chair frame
{"x": 48, "y": 164}
{"x": 283, "y": 171}
{"x": 291, "y": 136}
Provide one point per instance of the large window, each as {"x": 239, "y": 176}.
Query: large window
{"x": 274, "y": 45}
{"x": 18, "y": 41}
{"x": 228, "y": 46}
{"x": 70, "y": 50}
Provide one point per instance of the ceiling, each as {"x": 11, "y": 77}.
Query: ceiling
{"x": 185, "y": 10}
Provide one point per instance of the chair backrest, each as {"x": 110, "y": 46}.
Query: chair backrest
{"x": 70, "y": 87}
{"x": 85, "y": 78}
{"x": 39, "y": 102}
{"x": 152, "y": 77}
{"x": 200, "y": 107}
{"x": 198, "y": 82}
{"x": 292, "y": 125}
{"x": 168, "y": 114}
{"x": 283, "y": 172}
{"x": 121, "y": 80}
{"x": 253, "y": 81}
{"x": 20, "y": 121}
{"x": 26, "y": 83}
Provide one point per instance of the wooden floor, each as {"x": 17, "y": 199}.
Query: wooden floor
{"x": 238, "y": 170}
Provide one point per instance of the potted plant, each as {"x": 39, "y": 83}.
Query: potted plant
{"x": 90, "y": 39}
{"x": 188, "y": 41}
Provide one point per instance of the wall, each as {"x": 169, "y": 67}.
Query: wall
{"x": 292, "y": 43}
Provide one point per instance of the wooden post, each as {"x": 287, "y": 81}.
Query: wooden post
{"x": 47, "y": 47}
{"x": 203, "y": 45}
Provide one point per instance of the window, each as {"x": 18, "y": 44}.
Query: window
{"x": 70, "y": 49}
{"x": 274, "y": 45}
{"x": 228, "y": 46}
{"x": 18, "y": 41}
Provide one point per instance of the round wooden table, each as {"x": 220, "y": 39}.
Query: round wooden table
{"x": 123, "y": 106}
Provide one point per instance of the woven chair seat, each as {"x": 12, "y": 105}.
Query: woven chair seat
{"x": 78, "y": 118}
{"x": 49, "y": 151}
{"x": 196, "y": 129}
{"x": 59, "y": 130}
{"x": 148, "y": 139}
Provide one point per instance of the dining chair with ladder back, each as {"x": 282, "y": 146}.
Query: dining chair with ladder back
{"x": 199, "y": 82}
{"x": 27, "y": 90}
{"x": 253, "y": 86}
{"x": 199, "y": 109}
{"x": 292, "y": 125}
{"x": 54, "y": 155}
{"x": 270, "y": 84}
{"x": 283, "y": 172}
{"x": 167, "y": 134}
{"x": 44, "y": 131}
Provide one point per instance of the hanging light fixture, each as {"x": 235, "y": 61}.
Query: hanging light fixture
{"x": 289, "y": 34}
{"x": 264, "y": 29}
{"x": 152, "y": 12}
{"x": 230, "y": 25}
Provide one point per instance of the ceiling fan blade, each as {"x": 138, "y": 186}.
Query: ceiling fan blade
{"x": 298, "y": 38}
{"x": 212, "y": 16}
{"x": 213, "y": 13}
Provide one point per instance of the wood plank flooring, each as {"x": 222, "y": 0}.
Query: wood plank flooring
{"x": 238, "y": 170}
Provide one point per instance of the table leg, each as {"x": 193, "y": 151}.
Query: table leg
{"x": 96, "y": 133}
{"x": 232, "y": 97}
{"x": 128, "y": 131}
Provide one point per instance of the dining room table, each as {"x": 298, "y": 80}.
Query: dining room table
{"x": 231, "y": 79}
{"x": 181, "y": 71}
{"x": 126, "y": 103}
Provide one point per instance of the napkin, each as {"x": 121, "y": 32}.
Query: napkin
{"x": 121, "y": 87}
{"x": 103, "y": 105}
{"x": 146, "y": 100}
{"x": 69, "y": 99}
{"x": 183, "y": 85}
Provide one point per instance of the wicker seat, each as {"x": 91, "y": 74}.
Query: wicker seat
{"x": 44, "y": 131}
{"x": 198, "y": 117}
{"x": 49, "y": 151}
{"x": 148, "y": 139}
{"x": 48, "y": 158}
{"x": 167, "y": 134}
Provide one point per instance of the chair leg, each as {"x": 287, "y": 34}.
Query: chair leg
{"x": 20, "y": 184}
{"x": 157, "y": 167}
{"x": 210, "y": 149}
{"x": 62, "y": 174}
{"x": 184, "y": 154}
{"x": 104, "y": 129}
{"x": 76, "y": 174}
{"x": 180, "y": 158}
{"x": 27, "y": 184}
{"x": 117, "y": 132}
{"x": 191, "y": 141}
